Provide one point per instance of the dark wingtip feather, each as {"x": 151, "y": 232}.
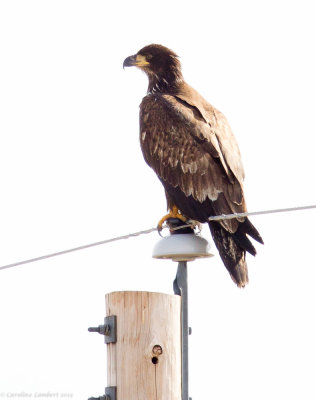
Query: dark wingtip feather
{"x": 248, "y": 228}
{"x": 242, "y": 240}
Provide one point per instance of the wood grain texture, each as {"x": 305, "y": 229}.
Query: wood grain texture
{"x": 145, "y": 362}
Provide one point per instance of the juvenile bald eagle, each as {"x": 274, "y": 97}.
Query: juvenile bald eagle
{"x": 190, "y": 146}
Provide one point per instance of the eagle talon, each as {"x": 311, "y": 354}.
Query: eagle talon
{"x": 160, "y": 227}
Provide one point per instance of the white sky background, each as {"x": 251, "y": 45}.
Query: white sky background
{"x": 72, "y": 173}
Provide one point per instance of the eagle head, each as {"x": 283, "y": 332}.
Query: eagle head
{"x": 161, "y": 65}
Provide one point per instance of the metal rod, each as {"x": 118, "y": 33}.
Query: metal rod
{"x": 180, "y": 287}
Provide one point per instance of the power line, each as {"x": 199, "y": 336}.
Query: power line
{"x": 85, "y": 246}
{"x": 150, "y": 230}
{"x": 249, "y": 214}
{"x": 246, "y": 214}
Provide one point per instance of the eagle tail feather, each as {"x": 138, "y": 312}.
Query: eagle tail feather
{"x": 232, "y": 254}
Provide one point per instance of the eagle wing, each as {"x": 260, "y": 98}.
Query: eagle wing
{"x": 190, "y": 146}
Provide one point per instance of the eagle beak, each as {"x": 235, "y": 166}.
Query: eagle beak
{"x": 136, "y": 60}
{"x": 129, "y": 61}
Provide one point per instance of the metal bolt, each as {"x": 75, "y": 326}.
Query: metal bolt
{"x": 102, "y": 329}
{"x": 94, "y": 329}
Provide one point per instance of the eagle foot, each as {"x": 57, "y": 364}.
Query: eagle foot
{"x": 173, "y": 213}
{"x": 178, "y": 223}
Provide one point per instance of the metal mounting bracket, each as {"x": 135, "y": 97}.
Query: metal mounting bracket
{"x": 108, "y": 329}
{"x": 180, "y": 287}
{"x": 110, "y": 394}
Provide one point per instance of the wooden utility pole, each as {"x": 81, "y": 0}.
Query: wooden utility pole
{"x": 147, "y": 333}
{"x": 145, "y": 361}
